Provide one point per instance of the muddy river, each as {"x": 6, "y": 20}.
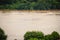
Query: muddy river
{"x": 16, "y": 24}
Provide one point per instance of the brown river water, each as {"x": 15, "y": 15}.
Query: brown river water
{"x": 16, "y": 24}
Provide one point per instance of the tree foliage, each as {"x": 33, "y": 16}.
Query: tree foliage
{"x": 2, "y": 35}
{"x": 4, "y": 2}
{"x": 40, "y": 36}
{"x": 30, "y": 4}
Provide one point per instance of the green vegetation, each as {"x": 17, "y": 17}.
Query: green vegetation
{"x": 30, "y": 4}
{"x": 2, "y": 35}
{"x": 34, "y": 35}
{"x": 53, "y": 36}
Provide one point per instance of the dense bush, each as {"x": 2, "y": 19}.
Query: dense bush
{"x": 33, "y": 35}
{"x": 30, "y": 4}
{"x": 33, "y": 39}
{"x": 55, "y": 35}
{"x": 2, "y": 35}
{"x": 40, "y": 36}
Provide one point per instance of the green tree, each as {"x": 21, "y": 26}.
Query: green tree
{"x": 2, "y": 35}
{"x": 30, "y": 4}
{"x": 4, "y": 2}
{"x": 33, "y": 34}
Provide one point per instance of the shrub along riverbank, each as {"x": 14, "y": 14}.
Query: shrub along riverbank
{"x": 30, "y": 4}
{"x": 34, "y": 35}
{"x": 2, "y": 35}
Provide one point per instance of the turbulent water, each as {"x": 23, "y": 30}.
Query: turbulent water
{"x": 16, "y": 24}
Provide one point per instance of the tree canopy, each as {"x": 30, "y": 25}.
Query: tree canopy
{"x": 30, "y": 4}
{"x": 4, "y": 2}
{"x": 2, "y": 35}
